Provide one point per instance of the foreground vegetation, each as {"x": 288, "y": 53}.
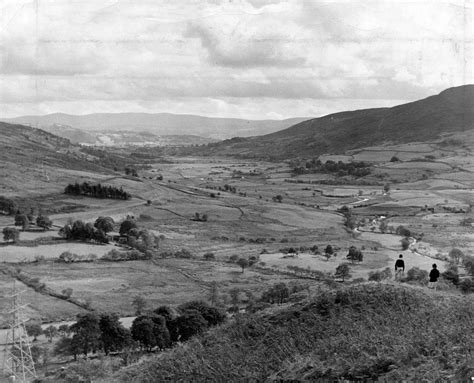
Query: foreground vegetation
{"x": 340, "y": 334}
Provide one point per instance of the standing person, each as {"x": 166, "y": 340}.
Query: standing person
{"x": 399, "y": 267}
{"x": 434, "y": 275}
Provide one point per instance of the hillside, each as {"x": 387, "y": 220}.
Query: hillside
{"x": 450, "y": 111}
{"x": 33, "y": 160}
{"x": 343, "y": 334}
{"x": 159, "y": 124}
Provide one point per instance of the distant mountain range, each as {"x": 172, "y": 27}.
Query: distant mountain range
{"x": 86, "y": 128}
{"x": 424, "y": 120}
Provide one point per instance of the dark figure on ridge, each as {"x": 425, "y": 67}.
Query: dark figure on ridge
{"x": 399, "y": 267}
{"x": 434, "y": 275}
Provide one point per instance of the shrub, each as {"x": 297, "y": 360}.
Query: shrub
{"x": 183, "y": 253}
{"x": 209, "y": 256}
{"x": 403, "y": 231}
{"x": 380, "y": 275}
{"x": 415, "y": 274}
{"x": 467, "y": 285}
{"x": 405, "y": 243}
{"x": 451, "y": 274}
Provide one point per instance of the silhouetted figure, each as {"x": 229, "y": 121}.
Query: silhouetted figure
{"x": 434, "y": 275}
{"x": 399, "y": 267}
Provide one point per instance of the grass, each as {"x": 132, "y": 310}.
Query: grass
{"x": 343, "y": 334}
{"x": 111, "y": 287}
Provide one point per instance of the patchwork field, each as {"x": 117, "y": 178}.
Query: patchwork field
{"x": 254, "y": 210}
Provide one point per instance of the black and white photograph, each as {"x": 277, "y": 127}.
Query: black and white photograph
{"x": 236, "y": 191}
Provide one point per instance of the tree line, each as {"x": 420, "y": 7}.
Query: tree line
{"x": 354, "y": 168}
{"x": 97, "y": 191}
{"x": 155, "y": 330}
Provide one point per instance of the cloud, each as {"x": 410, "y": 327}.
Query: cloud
{"x": 242, "y": 51}
{"x": 287, "y": 53}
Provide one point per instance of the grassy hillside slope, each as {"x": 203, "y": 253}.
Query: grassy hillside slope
{"x": 25, "y": 146}
{"x": 366, "y": 331}
{"x": 450, "y": 111}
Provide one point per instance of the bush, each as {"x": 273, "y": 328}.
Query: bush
{"x": 403, "y": 231}
{"x": 467, "y": 286}
{"x": 415, "y": 274}
{"x": 380, "y": 275}
{"x": 405, "y": 243}
{"x": 451, "y": 274}
{"x": 183, "y": 253}
{"x": 209, "y": 256}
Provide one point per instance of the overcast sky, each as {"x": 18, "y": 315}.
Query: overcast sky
{"x": 233, "y": 58}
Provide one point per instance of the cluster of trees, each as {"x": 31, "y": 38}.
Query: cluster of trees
{"x": 25, "y": 220}
{"x": 79, "y": 230}
{"x": 141, "y": 240}
{"x": 355, "y": 168}
{"x": 97, "y": 191}
{"x": 156, "y": 330}
{"x": 199, "y": 217}
{"x": 131, "y": 172}
{"x": 277, "y": 198}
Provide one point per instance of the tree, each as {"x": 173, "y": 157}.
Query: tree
{"x": 105, "y": 224}
{"x": 383, "y": 226}
{"x": 166, "y": 312}
{"x": 50, "y": 333}
{"x": 142, "y": 331}
{"x": 211, "y": 315}
{"x": 126, "y": 226}
{"x": 234, "y": 258}
{"x": 33, "y": 329}
{"x": 243, "y": 263}
{"x": 86, "y": 333}
{"x": 67, "y": 346}
{"x": 114, "y": 336}
{"x": 22, "y": 220}
{"x": 343, "y": 271}
{"x": 7, "y": 206}
{"x": 386, "y": 188}
{"x": 328, "y": 250}
{"x": 355, "y": 255}
{"x": 44, "y": 222}
{"x": 187, "y": 325}
{"x": 11, "y": 234}
{"x": 161, "y": 332}
{"x": 139, "y": 303}
{"x": 456, "y": 255}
